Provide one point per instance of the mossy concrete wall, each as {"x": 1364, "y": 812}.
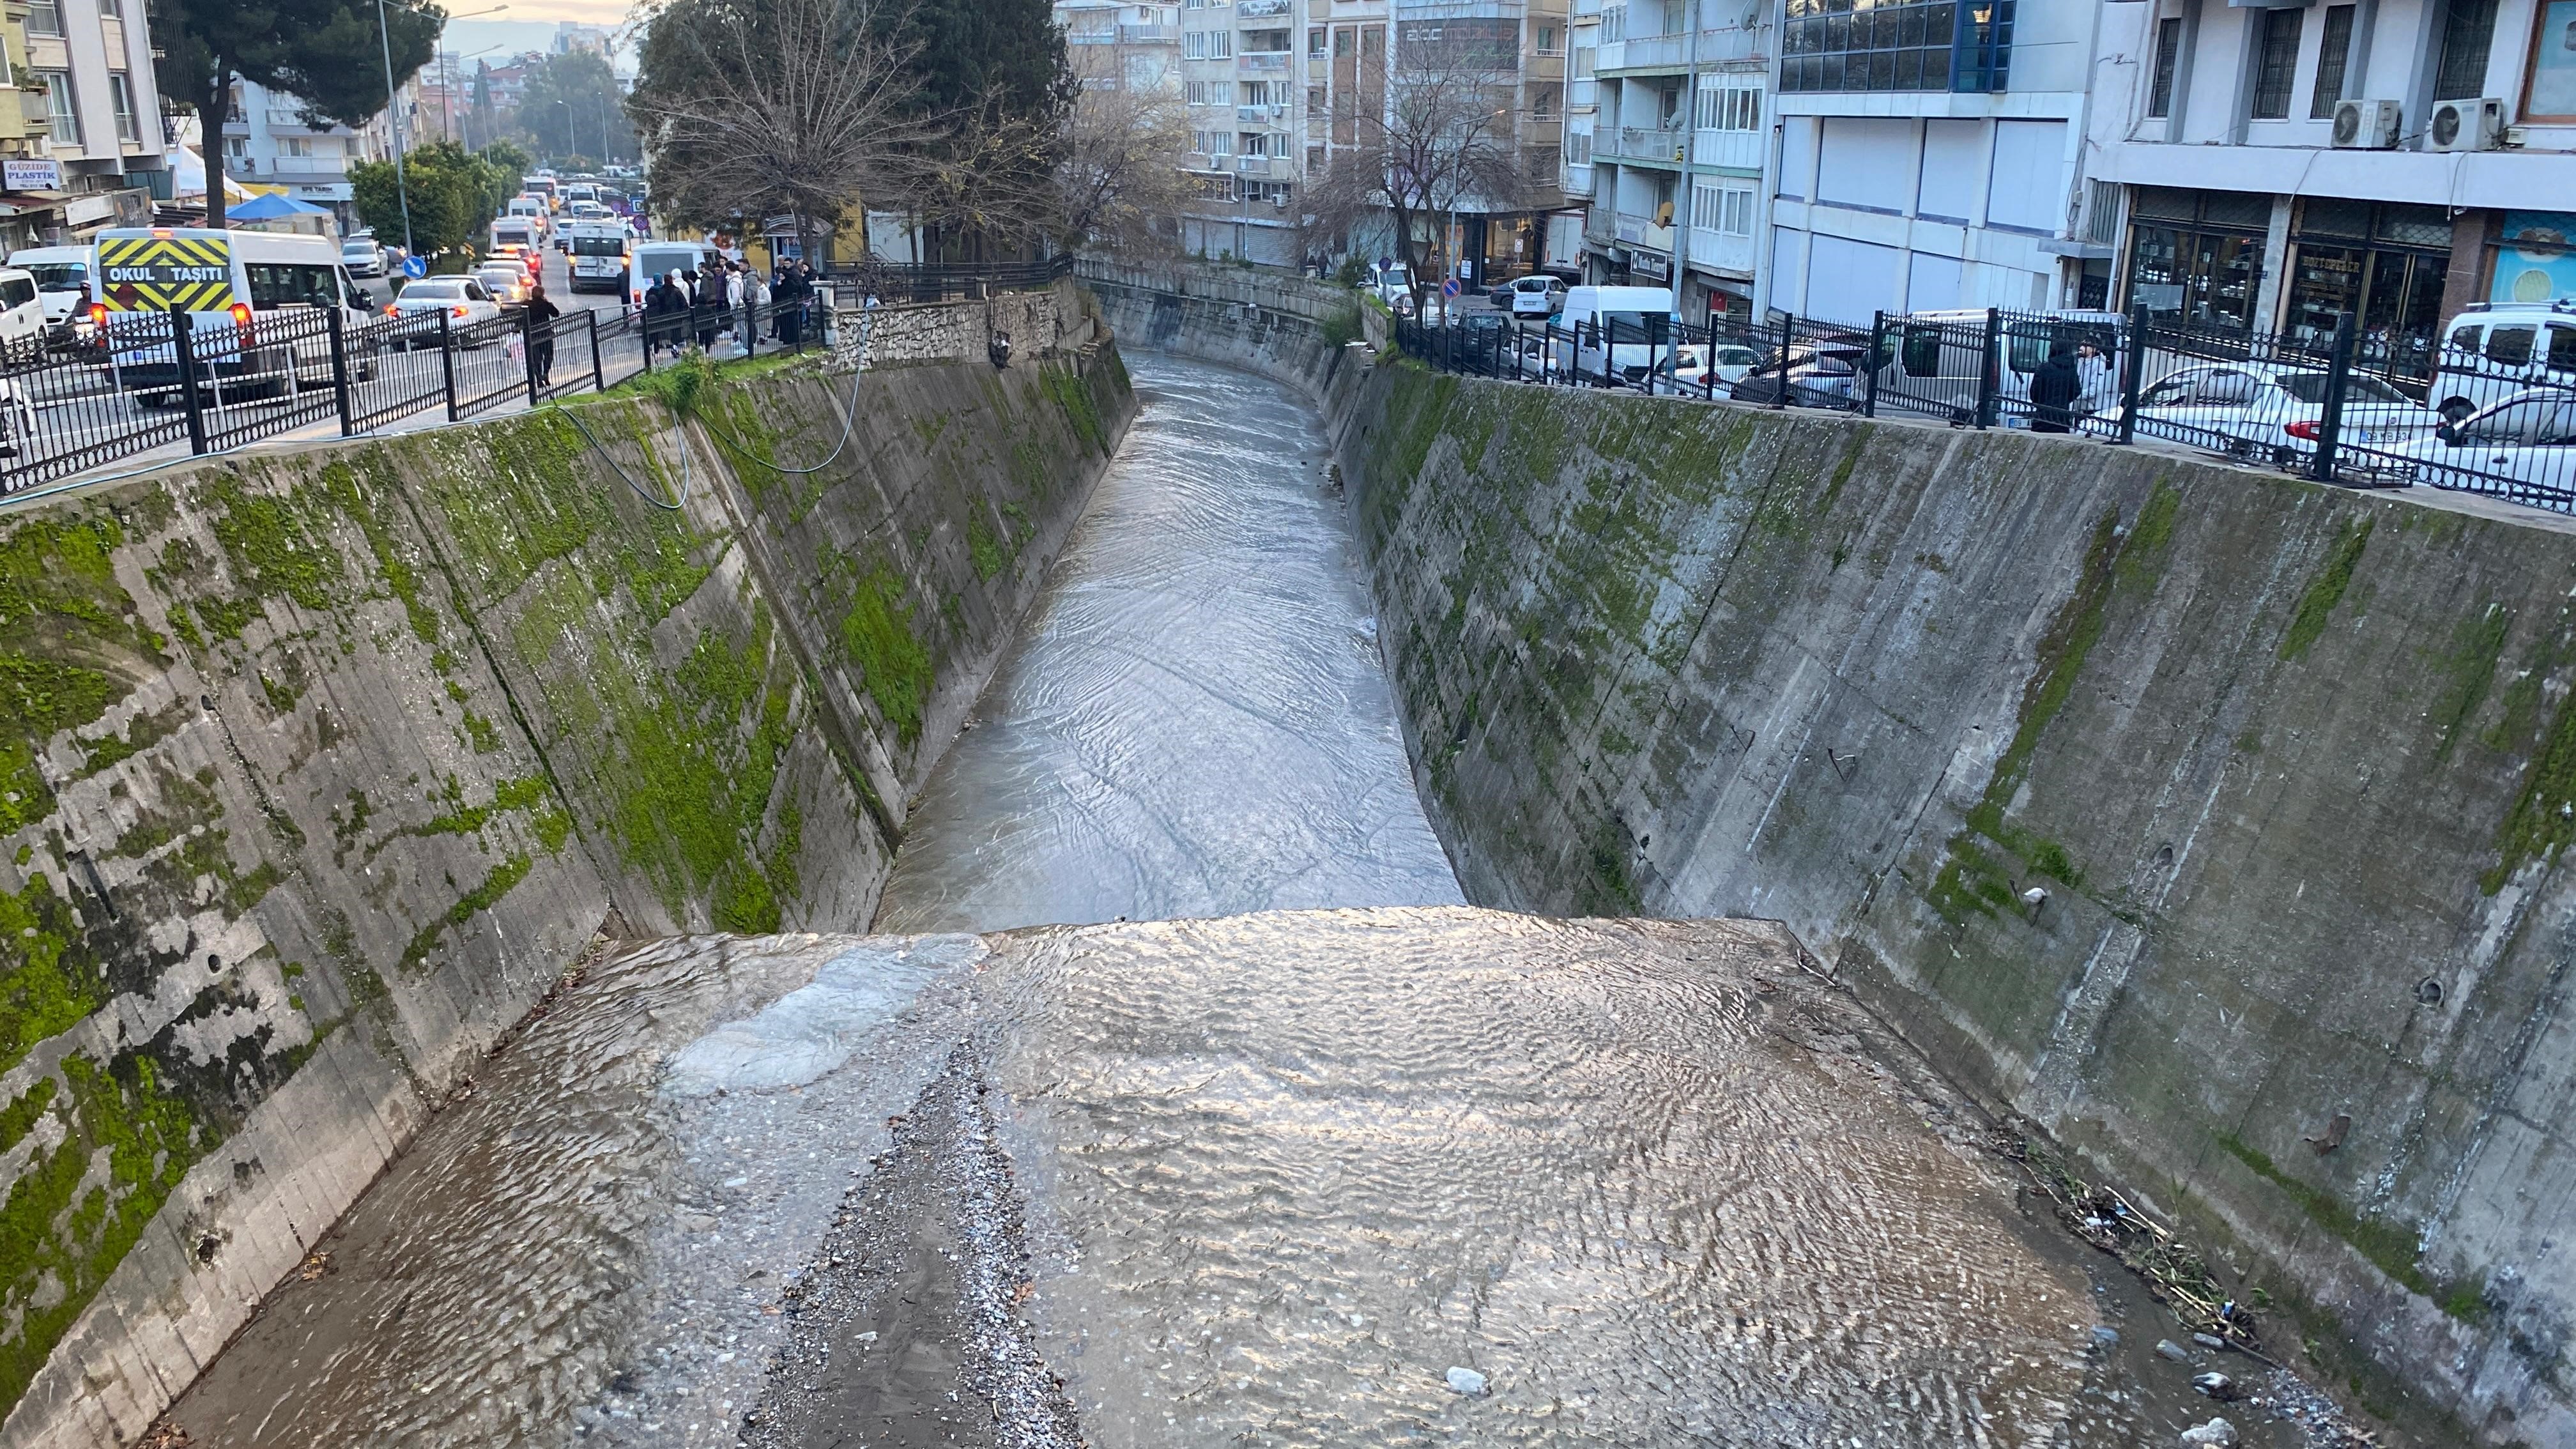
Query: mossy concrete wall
{"x": 2292, "y": 768}
{"x": 319, "y": 768}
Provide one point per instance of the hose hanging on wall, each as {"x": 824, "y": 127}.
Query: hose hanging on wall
{"x": 588, "y": 436}
{"x": 849, "y": 422}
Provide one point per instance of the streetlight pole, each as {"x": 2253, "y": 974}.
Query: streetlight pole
{"x": 393, "y": 117}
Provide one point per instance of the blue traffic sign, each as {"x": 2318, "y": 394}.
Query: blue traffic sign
{"x": 1449, "y": 288}
{"x": 415, "y": 267}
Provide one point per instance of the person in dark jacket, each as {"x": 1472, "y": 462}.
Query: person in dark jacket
{"x": 666, "y": 313}
{"x": 710, "y": 304}
{"x": 794, "y": 285}
{"x": 2053, "y": 391}
{"x": 539, "y": 315}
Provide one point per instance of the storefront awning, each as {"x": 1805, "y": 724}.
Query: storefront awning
{"x": 30, "y": 203}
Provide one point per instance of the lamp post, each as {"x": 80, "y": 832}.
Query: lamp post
{"x": 393, "y": 115}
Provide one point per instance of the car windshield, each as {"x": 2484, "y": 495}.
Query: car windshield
{"x": 663, "y": 262}
{"x": 598, "y": 246}
{"x": 506, "y": 276}
{"x": 2310, "y": 387}
{"x": 59, "y": 276}
{"x": 449, "y": 288}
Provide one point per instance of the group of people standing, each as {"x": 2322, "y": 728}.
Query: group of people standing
{"x": 705, "y": 301}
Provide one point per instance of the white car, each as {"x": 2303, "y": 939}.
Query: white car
{"x": 2491, "y": 353}
{"x": 362, "y": 256}
{"x": 1538, "y": 296}
{"x": 2270, "y": 412}
{"x": 2528, "y": 439}
{"x": 1692, "y": 368}
{"x": 507, "y": 281}
{"x": 464, "y": 299}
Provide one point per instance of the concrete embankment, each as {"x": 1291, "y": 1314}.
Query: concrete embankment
{"x": 323, "y": 766}
{"x": 2211, "y": 821}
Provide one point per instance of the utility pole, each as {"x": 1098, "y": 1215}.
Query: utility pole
{"x": 1690, "y": 187}
{"x": 393, "y": 117}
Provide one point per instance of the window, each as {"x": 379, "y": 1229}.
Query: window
{"x": 1583, "y": 58}
{"x": 1732, "y": 108}
{"x": 1214, "y": 143}
{"x": 1315, "y": 42}
{"x": 1220, "y": 45}
{"x": 2225, "y": 389}
{"x": 280, "y": 284}
{"x": 1738, "y": 217}
{"x": 2332, "y": 56}
{"x": 1614, "y": 24}
{"x": 58, "y": 100}
{"x": 16, "y": 292}
{"x": 2508, "y": 424}
{"x": 1254, "y": 93}
{"x": 44, "y": 17}
{"x": 2278, "y": 64}
{"x": 1547, "y": 41}
{"x": 1255, "y": 143}
{"x": 2511, "y": 346}
{"x": 1578, "y": 148}
{"x": 2550, "y": 91}
{"x": 1895, "y": 45}
{"x": 112, "y": 9}
{"x": 2168, "y": 52}
{"x": 1203, "y": 93}
{"x": 2466, "y": 338}
{"x": 1705, "y": 206}
{"x": 2562, "y": 349}
{"x": 2468, "y": 29}
{"x": 1543, "y": 106}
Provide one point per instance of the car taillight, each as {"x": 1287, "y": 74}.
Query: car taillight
{"x": 2302, "y": 429}
{"x": 98, "y": 314}
{"x": 392, "y": 311}
{"x": 457, "y": 310}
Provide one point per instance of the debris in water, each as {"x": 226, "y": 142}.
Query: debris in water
{"x": 2217, "y": 1386}
{"x": 2216, "y": 1431}
{"x": 1467, "y": 1381}
{"x": 2173, "y": 1350}
{"x": 315, "y": 1264}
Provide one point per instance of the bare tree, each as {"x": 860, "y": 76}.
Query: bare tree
{"x": 1118, "y": 180}
{"x": 754, "y": 107}
{"x": 1443, "y": 141}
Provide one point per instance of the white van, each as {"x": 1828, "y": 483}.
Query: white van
{"x": 224, "y": 282}
{"x": 2489, "y": 353}
{"x": 514, "y": 231}
{"x": 532, "y": 209}
{"x": 1935, "y": 359}
{"x": 650, "y": 261}
{"x": 597, "y": 252}
{"x": 1617, "y": 328}
{"x": 63, "y": 284}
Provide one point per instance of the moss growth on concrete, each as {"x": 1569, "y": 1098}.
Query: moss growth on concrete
{"x": 2390, "y": 1247}
{"x": 991, "y": 554}
{"x": 1072, "y": 396}
{"x": 272, "y": 545}
{"x": 2543, "y": 818}
{"x": 49, "y": 979}
{"x": 2333, "y": 578}
{"x": 483, "y": 897}
{"x": 2470, "y": 668}
{"x": 894, "y": 666}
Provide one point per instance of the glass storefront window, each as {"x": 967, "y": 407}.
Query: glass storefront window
{"x": 2203, "y": 278}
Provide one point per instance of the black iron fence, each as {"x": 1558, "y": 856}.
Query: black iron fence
{"x": 205, "y": 383}
{"x": 892, "y": 284}
{"x": 2496, "y": 414}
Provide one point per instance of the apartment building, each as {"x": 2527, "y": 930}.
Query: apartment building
{"x": 1242, "y": 74}
{"x": 1676, "y": 138}
{"x": 2281, "y": 165}
{"x": 93, "y": 61}
{"x": 268, "y": 142}
{"x": 1128, "y": 45}
{"x": 1930, "y": 156}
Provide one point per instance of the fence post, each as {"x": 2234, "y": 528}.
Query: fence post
{"x": 2330, "y": 423}
{"x": 2133, "y": 367}
{"x": 183, "y": 349}
{"x": 340, "y": 373}
{"x": 1788, "y": 331}
{"x": 528, "y": 352}
{"x": 598, "y": 372}
{"x": 1877, "y": 349}
{"x": 447, "y": 358}
{"x": 1987, "y": 370}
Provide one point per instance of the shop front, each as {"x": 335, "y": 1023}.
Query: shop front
{"x": 2535, "y": 258}
{"x": 2196, "y": 257}
{"x": 2382, "y": 263}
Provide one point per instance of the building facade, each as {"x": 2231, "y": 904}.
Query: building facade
{"x": 1930, "y": 156}
{"x": 92, "y": 61}
{"x": 2280, "y": 167}
{"x": 1676, "y": 143}
{"x": 268, "y": 142}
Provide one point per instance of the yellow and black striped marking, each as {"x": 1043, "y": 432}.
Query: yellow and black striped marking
{"x": 165, "y": 274}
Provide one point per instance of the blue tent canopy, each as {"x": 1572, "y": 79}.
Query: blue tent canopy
{"x": 271, "y": 206}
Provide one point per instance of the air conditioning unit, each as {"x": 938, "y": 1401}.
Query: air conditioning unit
{"x": 2465, "y": 125}
{"x": 2366, "y": 125}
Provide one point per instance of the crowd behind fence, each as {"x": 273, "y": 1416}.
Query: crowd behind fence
{"x": 2500, "y": 422}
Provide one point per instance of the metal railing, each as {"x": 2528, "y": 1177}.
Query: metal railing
{"x": 137, "y": 384}
{"x": 891, "y": 283}
{"x": 2498, "y": 421}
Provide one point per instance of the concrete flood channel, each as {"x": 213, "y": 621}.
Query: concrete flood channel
{"x": 1234, "y": 1124}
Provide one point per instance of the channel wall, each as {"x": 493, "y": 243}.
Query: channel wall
{"x": 323, "y": 766}
{"x": 2208, "y": 822}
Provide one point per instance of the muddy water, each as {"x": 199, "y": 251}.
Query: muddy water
{"x": 1195, "y": 723}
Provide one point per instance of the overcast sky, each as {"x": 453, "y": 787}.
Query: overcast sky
{"x": 526, "y": 25}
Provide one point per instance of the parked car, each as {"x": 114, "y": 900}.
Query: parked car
{"x": 63, "y": 284}
{"x": 2529, "y": 438}
{"x": 464, "y": 299}
{"x": 507, "y": 281}
{"x": 2491, "y": 353}
{"x": 1824, "y": 373}
{"x": 1538, "y": 295}
{"x": 362, "y": 256}
{"x": 2270, "y": 412}
{"x": 1693, "y": 364}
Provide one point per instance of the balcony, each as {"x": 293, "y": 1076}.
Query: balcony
{"x": 1656, "y": 144}
{"x": 1735, "y": 150}
{"x": 309, "y": 166}
{"x": 1259, "y": 9}
{"x": 1091, "y": 37}
{"x": 1722, "y": 251}
{"x": 1149, "y": 35}
{"x": 1641, "y": 231}
{"x": 1262, "y": 60}
{"x": 1262, "y": 115}
{"x": 1733, "y": 44}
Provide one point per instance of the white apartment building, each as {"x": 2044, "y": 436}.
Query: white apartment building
{"x": 1133, "y": 46}
{"x": 2281, "y": 165}
{"x": 1244, "y": 69}
{"x": 1930, "y": 155}
{"x": 1675, "y": 136}
{"x": 94, "y": 61}
{"x": 268, "y": 143}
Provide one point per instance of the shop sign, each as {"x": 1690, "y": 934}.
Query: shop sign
{"x": 1652, "y": 264}
{"x": 20, "y": 174}
{"x": 2534, "y": 259}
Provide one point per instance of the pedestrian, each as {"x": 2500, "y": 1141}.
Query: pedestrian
{"x": 2053, "y": 391}
{"x": 755, "y": 305}
{"x": 2101, "y": 381}
{"x": 540, "y": 315}
{"x": 790, "y": 293}
{"x": 667, "y": 313}
{"x": 709, "y": 300}
{"x": 809, "y": 298}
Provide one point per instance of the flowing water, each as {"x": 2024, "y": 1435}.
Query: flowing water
{"x": 1272, "y": 1174}
{"x": 1195, "y": 722}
